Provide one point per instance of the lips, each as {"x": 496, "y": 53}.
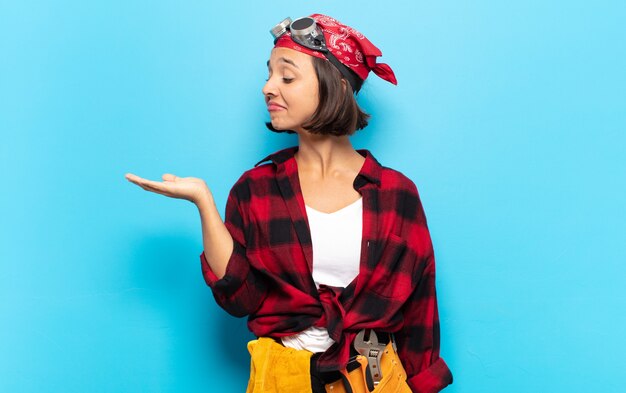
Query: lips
{"x": 273, "y": 107}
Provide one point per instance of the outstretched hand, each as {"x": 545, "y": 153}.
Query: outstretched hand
{"x": 189, "y": 188}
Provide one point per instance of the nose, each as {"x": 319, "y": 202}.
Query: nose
{"x": 269, "y": 89}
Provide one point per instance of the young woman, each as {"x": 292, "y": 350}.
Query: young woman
{"x": 326, "y": 251}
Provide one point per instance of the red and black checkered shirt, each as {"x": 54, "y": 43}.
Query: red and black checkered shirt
{"x": 269, "y": 278}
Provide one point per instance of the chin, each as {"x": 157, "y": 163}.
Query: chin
{"x": 281, "y": 125}
{"x": 276, "y": 127}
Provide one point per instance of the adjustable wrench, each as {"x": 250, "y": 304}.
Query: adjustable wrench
{"x": 366, "y": 343}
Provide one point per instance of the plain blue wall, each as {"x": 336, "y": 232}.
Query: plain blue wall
{"x": 508, "y": 116}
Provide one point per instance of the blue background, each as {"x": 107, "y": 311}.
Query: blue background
{"x": 509, "y": 116}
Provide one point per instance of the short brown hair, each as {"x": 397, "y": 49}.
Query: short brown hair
{"x": 338, "y": 112}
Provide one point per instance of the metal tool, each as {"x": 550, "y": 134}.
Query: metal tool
{"x": 366, "y": 343}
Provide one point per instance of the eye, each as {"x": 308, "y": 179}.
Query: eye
{"x": 287, "y": 80}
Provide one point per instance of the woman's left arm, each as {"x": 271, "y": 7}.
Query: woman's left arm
{"x": 418, "y": 341}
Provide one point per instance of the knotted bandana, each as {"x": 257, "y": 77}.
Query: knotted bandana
{"x": 349, "y": 46}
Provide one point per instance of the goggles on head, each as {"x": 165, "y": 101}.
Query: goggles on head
{"x": 305, "y": 32}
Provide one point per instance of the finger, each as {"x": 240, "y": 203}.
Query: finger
{"x": 157, "y": 185}
{"x": 141, "y": 181}
{"x": 131, "y": 177}
{"x": 136, "y": 180}
{"x": 154, "y": 190}
{"x": 149, "y": 185}
{"x": 157, "y": 188}
{"x": 169, "y": 177}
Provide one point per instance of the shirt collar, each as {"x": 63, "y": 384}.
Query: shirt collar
{"x": 370, "y": 172}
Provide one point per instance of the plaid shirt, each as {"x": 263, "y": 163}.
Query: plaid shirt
{"x": 269, "y": 278}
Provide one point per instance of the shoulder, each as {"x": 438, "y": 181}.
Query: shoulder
{"x": 396, "y": 181}
{"x": 399, "y": 193}
{"x": 254, "y": 181}
{"x": 386, "y": 178}
{"x": 261, "y": 179}
{"x": 258, "y": 173}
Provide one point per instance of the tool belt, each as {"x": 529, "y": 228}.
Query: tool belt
{"x": 375, "y": 368}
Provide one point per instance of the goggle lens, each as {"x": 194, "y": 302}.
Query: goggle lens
{"x": 280, "y": 28}
{"x": 304, "y": 31}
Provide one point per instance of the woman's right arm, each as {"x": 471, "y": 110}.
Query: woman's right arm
{"x": 218, "y": 243}
{"x": 237, "y": 287}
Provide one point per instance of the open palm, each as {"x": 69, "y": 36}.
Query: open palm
{"x": 189, "y": 188}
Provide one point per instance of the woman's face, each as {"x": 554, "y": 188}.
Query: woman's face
{"x": 291, "y": 91}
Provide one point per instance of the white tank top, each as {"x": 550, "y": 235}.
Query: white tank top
{"x": 336, "y": 239}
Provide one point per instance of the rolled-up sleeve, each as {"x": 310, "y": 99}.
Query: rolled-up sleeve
{"x": 418, "y": 340}
{"x": 242, "y": 289}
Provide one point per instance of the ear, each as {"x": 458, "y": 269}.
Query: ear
{"x": 344, "y": 84}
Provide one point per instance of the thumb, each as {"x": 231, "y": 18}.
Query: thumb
{"x": 169, "y": 177}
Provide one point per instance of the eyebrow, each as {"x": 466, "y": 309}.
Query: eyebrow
{"x": 284, "y": 60}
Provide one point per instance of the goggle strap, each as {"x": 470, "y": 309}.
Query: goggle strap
{"x": 345, "y": 71}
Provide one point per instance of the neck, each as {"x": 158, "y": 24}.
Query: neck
{"x": 326, "y": 155}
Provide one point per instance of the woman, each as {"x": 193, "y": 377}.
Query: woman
{"x": 326, "y": 251}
